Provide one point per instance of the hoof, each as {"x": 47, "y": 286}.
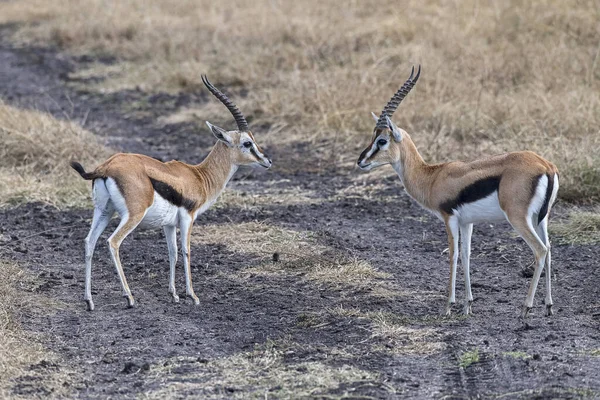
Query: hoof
{"x": 549, "y": 311}
{"x": 90, "y": 305}
{"x": 525, "y": 312}
{"x": 194, "y": 298}
{"x": 467, "y": 309}
{"x": 130, "y": 301}
{"x": 448, "y": 311}
{"x": 175, "y": 298}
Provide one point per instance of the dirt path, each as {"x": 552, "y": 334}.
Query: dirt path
{"x": 123, "y": 353}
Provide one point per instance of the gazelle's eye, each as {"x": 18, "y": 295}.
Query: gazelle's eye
{"x": 381, "y": 142}
{"x": 247, "y": 144}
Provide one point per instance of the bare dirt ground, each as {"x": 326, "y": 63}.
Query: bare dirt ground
{"x": 256, "y": 334}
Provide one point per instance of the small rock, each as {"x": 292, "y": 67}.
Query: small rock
{"x": 130, "y": 367}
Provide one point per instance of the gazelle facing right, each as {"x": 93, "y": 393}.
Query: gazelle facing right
{"x": 519, "y": 187}
{"x": 149, "y": 193}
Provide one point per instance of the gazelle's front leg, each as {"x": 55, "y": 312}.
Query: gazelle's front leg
{"x": 452, "y": 231}
{"x": 171, "y": 235}
{"x": 465, "y": 253}
{"x": 186, "y": 232}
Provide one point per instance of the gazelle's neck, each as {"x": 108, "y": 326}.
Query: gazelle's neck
{"x": 413, "y": 171}
{"x": 216, "y": 170}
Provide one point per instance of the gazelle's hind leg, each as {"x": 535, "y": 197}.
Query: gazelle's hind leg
{"x": 542, "y": 230}
{"x": 126, "y": 226}
{"x": 524, "y": 227}
{"x": 99, "y": 223}
{"x": 103, "y": 212}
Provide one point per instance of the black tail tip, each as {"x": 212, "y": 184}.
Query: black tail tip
{"x": 79, "y": 168}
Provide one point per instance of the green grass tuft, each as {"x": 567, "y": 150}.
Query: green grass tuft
{"x": 468, "y": 358}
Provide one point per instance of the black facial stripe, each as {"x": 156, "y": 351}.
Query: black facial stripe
{"x": 363, "y": 155}
{"x": 549, "y": 189}
{"x": 375, "y": 151}
{"x": 476, "y": 191}
{"x": 171, "y": 195}
{"x": 254, "y": 153}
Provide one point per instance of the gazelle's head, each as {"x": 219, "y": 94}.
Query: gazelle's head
{"x": 241, "y": 145}
{"x": 386, "y": 142}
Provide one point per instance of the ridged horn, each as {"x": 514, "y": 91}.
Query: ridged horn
{"x": 233, "y": 109}
{"x": 397, "y": 98}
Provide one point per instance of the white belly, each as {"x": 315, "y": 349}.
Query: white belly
{"x": 484, "y": 210}
{"x": 160, "y": 213}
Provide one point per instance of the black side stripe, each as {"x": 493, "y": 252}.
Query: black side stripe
{"x": 544, "y": 209}
{"x": 171, "y": 195}
{"x": 476, "y": 191}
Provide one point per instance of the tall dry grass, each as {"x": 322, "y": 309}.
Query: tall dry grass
{"x": 497, "y": 76}
{"x": 34, "y": 158}
{"x": 22, "y": 355}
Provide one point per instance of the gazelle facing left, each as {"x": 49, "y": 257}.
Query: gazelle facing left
{"x": 149, "y": 193}
{"x": 519, "y": 187}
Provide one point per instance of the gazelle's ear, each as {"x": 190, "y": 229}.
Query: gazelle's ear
{"x": 375, "y": 117}
{"x": 396, "y": 132}
{"x": 220, "y": 134}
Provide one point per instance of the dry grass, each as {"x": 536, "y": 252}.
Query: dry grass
{"x": 34, "y": 158}
{"x": 581, "y": 227}
{"x": 21, "y": 350}
{"x": 268, "y": 196}
{"x": 498, "y": 76}
{"x": 300, "y": 255}
{"x": 259, "y": 374}
{"x": 402, "y": 339}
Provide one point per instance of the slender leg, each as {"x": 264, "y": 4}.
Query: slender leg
{"x": 524, "y": 227}
{"x": 186, "y": 232}
{"x": 99, "y": 223}
{"x": 452, "y": 230}
{"x": 542, "y": 230}
{"x": 171, "y": 235}
{"x": 126, "y": 226}
{"x": 465, "y": 252}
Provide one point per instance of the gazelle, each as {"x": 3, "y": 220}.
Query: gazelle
{"x": 149, "y": 193}
{"x": 519, "y": 187}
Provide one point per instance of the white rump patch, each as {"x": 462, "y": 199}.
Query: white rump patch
{"x": 537, "y": 201}
{"x": 116, "y": 197}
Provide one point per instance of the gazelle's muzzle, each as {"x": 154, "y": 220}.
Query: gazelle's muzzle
{"x": 261, "y": 158}
{"x": 363, "y": 160}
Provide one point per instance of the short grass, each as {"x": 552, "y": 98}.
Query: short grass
{"x": 21, "y": 351}
{"x": 34, "y": 158}
{"x": 259, "y": 374}
{"x": 497, "y": 76}
{"x": 581, "y": 227}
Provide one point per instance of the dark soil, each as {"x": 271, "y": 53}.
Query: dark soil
{"x": 113, "y": 348}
